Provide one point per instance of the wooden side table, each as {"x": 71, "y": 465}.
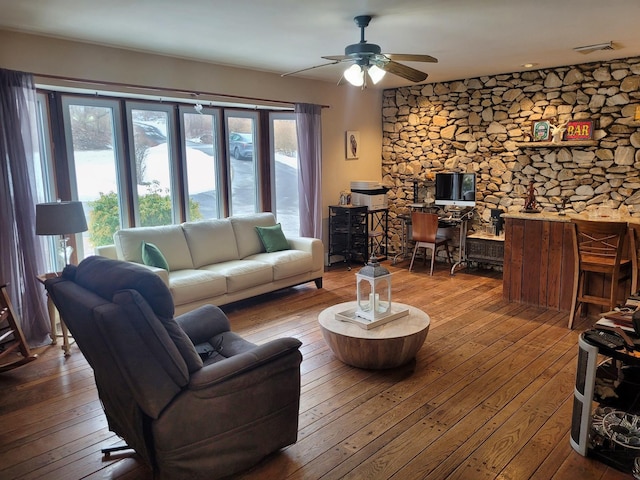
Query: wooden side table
{"x": 52, "y": 318}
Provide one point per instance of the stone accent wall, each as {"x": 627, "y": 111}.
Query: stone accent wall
{"x": 478, "y": 125}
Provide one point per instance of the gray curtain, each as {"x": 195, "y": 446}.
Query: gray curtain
{"x": 21, "y": 254}
{"x": 309, "y": 127}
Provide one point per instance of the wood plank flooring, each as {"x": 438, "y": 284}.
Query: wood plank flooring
{"x": 489, "y": 395}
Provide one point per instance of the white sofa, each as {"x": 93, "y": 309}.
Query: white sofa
{"x": 221, "y": 261}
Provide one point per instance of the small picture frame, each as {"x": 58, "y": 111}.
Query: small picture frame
{"x": 352, "y": 144}
{"x": 540, "y": 131}
{"x": 579, "y": 130}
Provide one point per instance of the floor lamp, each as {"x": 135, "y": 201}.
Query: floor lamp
{"x": 60, "y": 218}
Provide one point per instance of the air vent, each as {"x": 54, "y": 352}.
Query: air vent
{"x": 594, "y": 48}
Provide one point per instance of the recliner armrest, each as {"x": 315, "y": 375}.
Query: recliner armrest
{"x": 203, "y": 323}
{"x": 231, "y": 367}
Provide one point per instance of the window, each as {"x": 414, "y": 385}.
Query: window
{"x": 242, "y": 163}
{"x": 133, "y": 162}
{"x": 94, "y": 153}
{"x": 284, "y": 172}
{"x": 201, "y": 153}
{"x": 154, "y": 164}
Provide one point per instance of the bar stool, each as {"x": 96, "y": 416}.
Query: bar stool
{"x": 598, "y": 248}
{"x": 424, "y": 232}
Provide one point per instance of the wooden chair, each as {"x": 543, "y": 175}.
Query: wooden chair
{"x": 425, "y": 234}
{"x": 598, "y": 249}
{"x": 11, "y": 336}
{"x": 634, "y": 252}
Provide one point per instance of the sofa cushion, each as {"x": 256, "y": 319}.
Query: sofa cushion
{"x": 272, "y": 238}
{"x": 286, "y": 263}
{"x": 247, "y": 238}
{"x": 192, "y": 285}
{"x": 242, "y": 274}
{"x": 210, "y": 241}
{"x": 152, "y": 256}
{"x": 168, "y": 238}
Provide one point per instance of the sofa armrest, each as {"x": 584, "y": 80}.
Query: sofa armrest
{"x": 108, "y": 251}
{"x": 220, "y": 372}
{"x": 311, "y": 245}
{"x": 161, "y": 272}
{"x": 203, "y": 323}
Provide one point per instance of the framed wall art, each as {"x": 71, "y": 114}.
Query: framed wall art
{"x": 540, "y": 131}
{"x": 579, "y": 130}
{"x": 353, "y": 144}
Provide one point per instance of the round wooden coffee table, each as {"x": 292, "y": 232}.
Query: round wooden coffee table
{"x": 386, "y": 346}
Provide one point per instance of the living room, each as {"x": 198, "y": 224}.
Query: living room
{"x": 514, "y": 348}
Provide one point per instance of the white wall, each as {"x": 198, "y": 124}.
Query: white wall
{"x": 349, "y": 107}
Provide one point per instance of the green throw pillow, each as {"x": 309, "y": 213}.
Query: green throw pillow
{"x": 152, "y": 256}
{"x": 272, "y": 238}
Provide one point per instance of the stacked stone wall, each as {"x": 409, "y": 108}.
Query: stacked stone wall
{"x": 483, "y": 125}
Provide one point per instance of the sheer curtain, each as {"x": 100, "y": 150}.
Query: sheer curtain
{"x": 21, "y": 255}
{"x": 308, "y": 125}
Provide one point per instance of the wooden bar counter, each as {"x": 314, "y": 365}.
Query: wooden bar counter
{"x": 539, "y": 258}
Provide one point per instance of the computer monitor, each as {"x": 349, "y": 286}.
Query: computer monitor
{"x": 456, "y": 189}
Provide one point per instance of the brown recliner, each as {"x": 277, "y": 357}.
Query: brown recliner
{"x": 186, "y": 417}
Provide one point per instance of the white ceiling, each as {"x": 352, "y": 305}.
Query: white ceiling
{"x": 470, "y": 38}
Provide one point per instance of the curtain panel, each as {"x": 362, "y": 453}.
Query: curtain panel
{"x": 21, "y": 252}
{"x": 309, "y": 127}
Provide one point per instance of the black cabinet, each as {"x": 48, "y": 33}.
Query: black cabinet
{"x": 348, "y": 233}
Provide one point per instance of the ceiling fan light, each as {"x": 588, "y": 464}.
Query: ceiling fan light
{"x": 354, "y": 75}
{"x": 375, "y": 73}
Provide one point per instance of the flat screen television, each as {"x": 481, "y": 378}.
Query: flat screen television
{"x": 457, "y": 189}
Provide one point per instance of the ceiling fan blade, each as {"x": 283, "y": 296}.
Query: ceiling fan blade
{"x": 309, "y": 68}
{"x": 337, "y": 58}
{"x": 403, "y": 71}
{"x": 408, "y": 57}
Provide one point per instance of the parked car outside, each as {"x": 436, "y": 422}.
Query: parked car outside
{"x": 145, "y": 134}
{"x": 241, "y": 145}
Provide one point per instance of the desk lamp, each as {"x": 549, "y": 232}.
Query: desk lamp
{"x": 60, "y": 218}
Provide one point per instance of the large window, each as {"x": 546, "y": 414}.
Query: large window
{"x": 133, "y": 162}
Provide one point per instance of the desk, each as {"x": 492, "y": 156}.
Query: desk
{"x": 52, "y": 317}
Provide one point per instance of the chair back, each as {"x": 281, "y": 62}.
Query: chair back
{"x": 424, "y": 227}
{"x": 121, "y": 317}
{"x": 598, "y": 242}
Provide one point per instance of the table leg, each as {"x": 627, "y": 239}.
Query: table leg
{"x": 65, "y": 338}
{"x": 462, "y": 255}
{"x": 52, "y": 318}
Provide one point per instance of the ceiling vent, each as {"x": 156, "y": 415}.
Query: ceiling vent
{"x": 594, "y": 48}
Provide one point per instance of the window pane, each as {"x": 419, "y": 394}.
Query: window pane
{"x": 153, "y": 170}
{"x": 244, "y": 199}
{"x": 285, "y": 168}
{"x": 94, "y": 175}
{"x": 202, "y": 171}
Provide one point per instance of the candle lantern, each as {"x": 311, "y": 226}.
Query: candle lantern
{"x": 373, "y": 289}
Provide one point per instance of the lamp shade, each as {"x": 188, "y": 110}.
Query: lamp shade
{"x": 60, "y": 218}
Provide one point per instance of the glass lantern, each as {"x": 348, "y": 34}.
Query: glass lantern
{"x": 373, "y": 289}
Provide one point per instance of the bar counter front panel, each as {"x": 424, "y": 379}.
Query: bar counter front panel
{"x": 538, "y": 260}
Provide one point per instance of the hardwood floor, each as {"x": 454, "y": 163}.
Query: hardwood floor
{"x": 489, "y": 395}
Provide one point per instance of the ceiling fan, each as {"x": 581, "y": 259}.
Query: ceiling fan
{"x": 368, "y": 61}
